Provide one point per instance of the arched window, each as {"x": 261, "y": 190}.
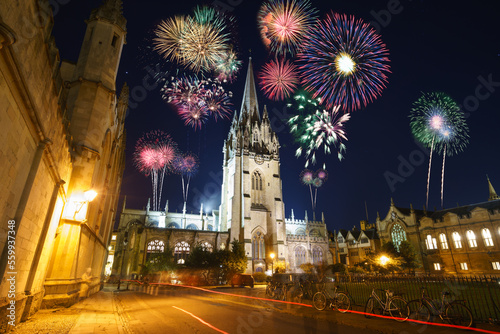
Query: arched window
{"x": 471, "y": 237}
{"x": 443, "y": 241}
{"x": 156, "y": 246}
{"x": 488, "y": 240}
{"x": 457, "y": 239}
{"x": 181, "y": 251}
{"x": 314, "y": 233}
{"x": 300, "y": 231}
{"x": 256, "y": 188}
{"x": 398, "y": 235}
{"x": 258, "y": 246}
{"x": 206, "y": 246}
{"x": 191, "y": 227}
{"x": 300, "y": 256}
{"x": 317, "y": 255}
{"x": 173, "y": 225}
{"x": 430, "y": 242}
{"x": 210, "y": 227}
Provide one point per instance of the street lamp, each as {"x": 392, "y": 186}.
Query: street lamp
{"x": 272, "y": 263}
{"x": 384, "y": 260}
{"x": 76, "y": 202}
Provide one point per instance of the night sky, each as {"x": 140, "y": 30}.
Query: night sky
{"x": 433, "y": 45}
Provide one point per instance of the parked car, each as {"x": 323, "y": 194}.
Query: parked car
{"x": 242, "y": 280}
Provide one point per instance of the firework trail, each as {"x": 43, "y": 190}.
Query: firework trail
{"x": 316, "y": 180}
{"x": 344, "y": 62}
{"x": 283, "y": 24}
{"x": 438, "y": 123}
{"x": 154, "y": 153}
{"x": 186, "y": 165}
{"x": 279, "y": 79}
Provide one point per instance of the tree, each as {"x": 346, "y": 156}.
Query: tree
{"x": 157, "y": 262}
{"x": 409, "y": 256}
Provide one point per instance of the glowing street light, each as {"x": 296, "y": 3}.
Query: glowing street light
{"x": 384, "y": 260}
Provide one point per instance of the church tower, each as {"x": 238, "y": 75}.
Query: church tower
{"x": 252, "y": 207}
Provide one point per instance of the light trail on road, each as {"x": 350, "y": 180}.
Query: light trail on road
{"x": 201, "y": 320}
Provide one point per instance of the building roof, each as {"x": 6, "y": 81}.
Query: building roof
{"x": 371, "y": 233}
{"x": 465, "y": 210}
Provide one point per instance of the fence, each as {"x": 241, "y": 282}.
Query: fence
{"x": 480, "y": 293}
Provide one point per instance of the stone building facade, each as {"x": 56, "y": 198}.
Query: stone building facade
{"x": 61, "y": 135}
{"x": 251, "y": 211}
{"x": 463, "y": 240}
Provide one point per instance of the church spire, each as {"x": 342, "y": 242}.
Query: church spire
{"x": 493, "y": 193}
{"x": 110, "y": 10}
{"x": 250, "y": 105}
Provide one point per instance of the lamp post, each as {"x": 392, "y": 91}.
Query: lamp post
{"x": 272, "y": 263}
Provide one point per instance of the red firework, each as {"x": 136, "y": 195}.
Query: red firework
{"x": 279, "y": 79}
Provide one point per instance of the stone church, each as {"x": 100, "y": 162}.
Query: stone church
{"x": 252, "y": 207}
{"x": 62, "y": 149}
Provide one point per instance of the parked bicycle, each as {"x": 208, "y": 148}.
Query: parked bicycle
{"x": 454, "y": 312}
{"x": 276, "y": 290}
{"x": 338, "y": 300}
{"x": 394, "y": 305}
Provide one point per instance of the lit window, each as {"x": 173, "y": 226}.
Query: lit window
{"x": 206, "y": 246}
{"x": 457, "y": 240}
{"x": 181, "y": 251}
{"x": 496, "y": 265}
{"x": 443, "y": 241}
{"x": 437, "y": 266}
{"x": 430, "y": 242}
{"x": 156, "y": 246}
{"x": 463, "y": 266}
{"x": 398, "y": 235}
{"x": 471, "y": 237}
{"x": 258, "y": 246}
{"x": 300, "y": 256}
{"x": 317, "y": 255}
{"x": 113, "y": 237}
{"x": 488, "y": 241}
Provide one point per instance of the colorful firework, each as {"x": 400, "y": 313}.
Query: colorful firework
{"x": 186, "y": 165}
{"x": 316, "y": 180}
{"x": 322, "y": 174}
{"x": 193, "y": 115}
{"x": 216, "y": 100}
{"x": 169, "y": 38}
{"x": 284, "y": 23}
{"x": 154, "y": 154}
{"x": 307, "y": 177}
{"x": 227, "y": 66}
{"x": 322, "y": 128}
{"x": 344, "y": 62}
{"x": 278, "y": 79}
{"x": 438, "y": 123}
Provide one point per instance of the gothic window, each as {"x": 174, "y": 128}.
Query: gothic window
{"x": 173, "y": 225}
{"x": 156, "y": 246}
{"x": 256, "y": 188}
{"x": 191, "y": 227}
{"x": 210, "y": 227}
{"x": 443, "y": 241}
{"x": 258, "y": 246}
{"x": 181, "y": 252}
{"x": 206, "y": 246}
{"x": 471, "y": 238}
{"x": 457, "y": 239}
{"x": 317, "y": 255}
{"x": 430, "y": 242}
{"x": 314, "y": 233}
{"x": 255, "y": 138}
{"x": 398, "y": 235}
{"x": 300, "y": 231}
{"x": 488, "y": 240}
{"x": 300, "y": 256}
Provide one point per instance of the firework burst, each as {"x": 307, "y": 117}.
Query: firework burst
{"x": 154, "y": 154}
{"x": 438, "y": 123}
{"x": 313, "y": 179}
{"x": 322, "y": 128}
{"x": 169, "y": 38}
{"x": 227, "y": 66}
{"x": 284, "y": 23}
{"x": 216, "y": 101}
{"x": 344, "y": 62}
{"x": 278, "y": 79}
{"x": 186, "y": 165}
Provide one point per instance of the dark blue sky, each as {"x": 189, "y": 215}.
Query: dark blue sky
{"x": 434, "y": 46}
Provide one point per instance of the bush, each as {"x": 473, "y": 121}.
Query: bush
{"x": 259, "y": 277}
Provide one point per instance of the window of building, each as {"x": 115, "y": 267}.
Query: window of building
{"x": 257, "y": 188}
{"x": 156, "y": 246}
{"x": 443, "y": 241}
{"x": 317, "y": 255}
{"x": 340, "y": 240}
{"x": 113, "y": 237}
{"x": 191, "y": 227}
{"x": 488, "y": 240}
{"x": 206, "y": 246}
{"x": 300, "y": 255}
{"x": 463, "y": 266}
{"x": 258, "y": 246}
{"x": 471, "y": 238}
{"x": 355, "y": 253}
{"x": 398, "y": 235}
{"x": 300, "y": 231}
{"x": 457, "y": 239}
{"x": 314, "y": 233}
{"x": 114, "y": 40}
{"x": 364, "y": 240}
{"x": 496, "y": 265}
{"x": 430, "y": 242}
{"x": 437, "y": 266}
{"x": 181, "y": 252}
{"x": 173, "y": 225}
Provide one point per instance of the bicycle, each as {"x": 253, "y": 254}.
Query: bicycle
{"x": 396, "y": 306}
{"x": 338, "y": 300}
{"x": 454, "y": 312}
